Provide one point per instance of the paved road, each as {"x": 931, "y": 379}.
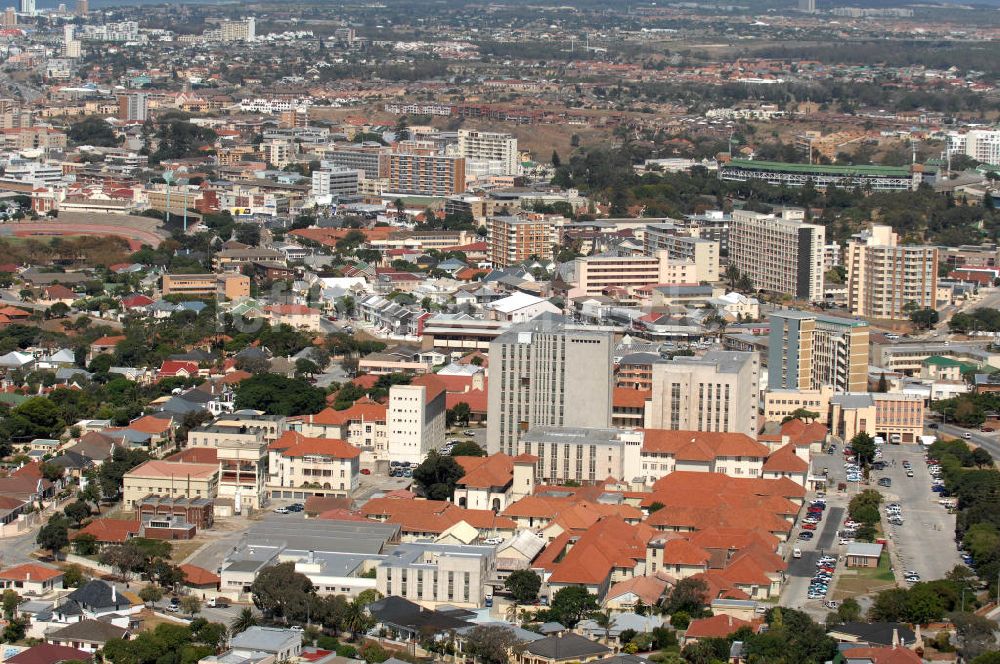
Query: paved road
{"x": 989, "y": 442}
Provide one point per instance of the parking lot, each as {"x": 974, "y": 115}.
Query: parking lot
{"x": 925, "y": 542}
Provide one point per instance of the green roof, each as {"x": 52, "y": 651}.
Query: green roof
{"x": 12, "y": 398}
{"x": 843, "y": 171}
{"x": 941, "y": 361}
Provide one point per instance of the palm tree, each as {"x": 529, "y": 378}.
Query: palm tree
{"x": 605, "y": 621}
{"x": 512, "y": 612}
{"x": 732, "y": 275}
{"x": 356, "y": 618}
{"x": 244, "y": 621}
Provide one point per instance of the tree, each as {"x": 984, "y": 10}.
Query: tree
{"x": 280, "y": 591}
{"x": 689, "y": 595}
{"x": 244, "y": 621}
{"x": 883, "y": 384}
{"x": 570, "y": 604}
{"x": 124, "y": 558}
{"x": 459, "y": 414}
{"x": 982, "y": 458}
{"x": 924, "y": 319}
{"x": 306, "y": 367}
{"x": 491, "y": 644}
{"x": 356, "y": 618}
{"x": 864, "y": 449}
{"x": 803, "y": 414}
{"x": 976, "y": 634}
{"x": 190, "y": 604}
{"x": 605, "y": 621}
{"x": 150, "y": 594}
{"x": 437, "y": 476}
{"x": 849, "y": 610}
{"x": 10, "y": 601}
{"x": 278, "y": 395}
{"x": 523, "y": 585}
{"x": 53, "y": 536}
{"x": 77, "y": 511}
{"x": 467, "y": 448}
{"x": 57, "y": 310}
{"x": 556, "y": 161}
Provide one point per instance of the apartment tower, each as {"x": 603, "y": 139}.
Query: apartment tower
{"x": 886, "y": 279}
{"x": 780, "y": 254}
{"x": 807, "y": 351}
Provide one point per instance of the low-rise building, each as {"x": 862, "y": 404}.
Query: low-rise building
{"x": 176, "y": 480}
{"x": 300, "y": 466}
{"x": 897, "y": 417}
{"x": 436, "y": 574}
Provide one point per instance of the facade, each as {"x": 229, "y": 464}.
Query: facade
{"x": 330, "y": 181}
{"x": 704, "y": 253}
{"x": 172, "y": 480}
{"x": 300, "y": 466}
{"x": 415, "y": 421}
{"x": 547, "y": 372}
{"x": 895, "y": 416}
{"x": 781, "y": 403}
{"x": 885, "y": 279}
{"x": 582, "y": 455}
{"x": 595, "y": 274}
{"x": 807, "y": 351}
{"x": 229, "y": 286}
{"x": 425, "y": 174}
{"x": 491, "y": 147}
{"x": 436, "y": 574}
{"x": 716, "y": 392}
{"x": 365, "y": 158}
{"x": 983, "y": 145}
{"x": 242, "y": 455}
{"x": 133, "y": 107}
{"x": 875, "y": 178}
{"x": 513, "y": 240}
{"x": 779, "y": 254}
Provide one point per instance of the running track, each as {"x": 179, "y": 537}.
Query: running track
{"x": 136, "y": 237}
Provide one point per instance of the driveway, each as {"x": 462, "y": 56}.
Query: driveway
{"x": 801, "y": 570}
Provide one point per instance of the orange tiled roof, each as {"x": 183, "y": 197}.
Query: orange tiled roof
{"x": 884, "y": 655}
{"x": 484, "y": 472}
{"x": 30, "y": 571}
{"x": 624, "y": 397}
{"x": 431, "y": 516}
{"x": 647, "y": 588}
{"x": 701, "y": 445}
{"x": 294, "y": 444}
{"x": 715, "y": 627}
{"x": 786, "y": 460}
{"x": 110, "y": 530}
{"x": 151, "y": 424}
{"x": 198, "y": 576}
{"x": 609, "y": 544}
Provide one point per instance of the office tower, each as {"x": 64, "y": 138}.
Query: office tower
{"x": 593, "y": 275}
{"x": 415, "y": 419}
{"x": 981, "y": 144}
{"x": 28, "y": 7}
{"x": 886, "y": 279}
{"x": 417, "y": 173}
{"x": 133, "y": 107}
{"x": 779, "y": 254}
{"x": 494, "y": 148}
{"x": 807, "y": 351}
{"x": 82, "y": 7}
{"x": 807, "y": 6}
{"x": 547, "y": 372}
{"x": 10, "y": 17}
{"x": 513, "y": 240}
{"x": 716, "y": 392}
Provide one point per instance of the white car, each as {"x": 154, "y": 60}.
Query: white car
{"x": 845, "y": 541}
{"x": 493, "y": 541}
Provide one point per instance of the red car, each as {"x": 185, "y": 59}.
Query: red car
{"x": 808, "y": 526}
{"x": 365, "y": 471}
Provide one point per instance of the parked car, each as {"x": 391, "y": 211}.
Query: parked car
{"x": 281, "y": 510}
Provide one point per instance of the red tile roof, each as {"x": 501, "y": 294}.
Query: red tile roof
{"x": 198, "y": 576}
{"x": 623, "y": 397}
{"x": 195, "y": 455}
{"x": 294, "y": 444}
{"x": 785, "y": 460}
{"x": 30, "y": 571}
{"x": 114, "y": 531}
{"x": 484, "y": 472}
{"x": 433, "y": 387}
{"x": 431, "y": 516}
{"x": 715, "y": 627}
{"x": 701, "y": 445}
{"x": 607, "y": 545}
{"x": 884, "y": 655}
{"x": 49, "y": 653}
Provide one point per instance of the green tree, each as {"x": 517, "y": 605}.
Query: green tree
{"x": 278, "y": 395}
{"x": 924, "y": 319}
{"x": 150, "y": 594}
{"x": 864, "y": 449}
{"x": 570, "y": 604}
{"x": 689, "y": 595}
{"x": 280, "y": 591}
{"x": 190, "y": 604}
{"x": 467, "y": 448}
{"x": 437, "y": 476}
{"x": 491, "y": 644}
{"x": 244, "y": 621}
{"x": 459, "y": 414}
{"x": 77, "y": 511}
{"x": 54, "y": 536}
{"x": 523, "y": 585}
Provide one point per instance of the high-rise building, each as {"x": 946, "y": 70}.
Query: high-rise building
{"x": 329, "y": 181}
{"x": 133, "y": 107}
{"x": 82, "y": 7}
{"x": 983, "y": 145}
{"x": 680, "y": 244}
{"x": 592, "y": 275}
{"x": 886, "y": 279}
{"x": 9, "y": 17}
{"x": 807, "y": 6}
{"x": 807, "y": 351}
{"x": 415, "y": 419}
{"x": 715, "y": 392}
{"x": 512, "y": 240}
{"x": 425, "y": 174}
{"x": 245, "y": 30}
{"x": 779, "y": 254}
{"x": 71, "y": 45}
{"x": 547, "y": 372}
{"x": 28, "y": 7}
{"x": 491, "y": 147}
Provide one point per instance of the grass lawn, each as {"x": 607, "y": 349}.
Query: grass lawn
{"x": 865, "y": 580}
{"x": 181, "y": 549}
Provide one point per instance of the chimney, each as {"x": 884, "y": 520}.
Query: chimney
{"x": 27, "y": 577}
{"x": 895, "y": 637}
{"x": 114, "y": 594}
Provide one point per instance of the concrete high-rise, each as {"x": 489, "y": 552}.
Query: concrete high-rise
{"x": 28, "y": 7}
{"x": 886, "y": 279}
{"x": 512, "y": 240}
{"x": 82, "y": 7}
{"x": 780, "y": 254}
{"x": 807, "y": 6}
{"x": 133, "y": 107}
{"x": 491, "y": 147}
{"x": 715, "y": 392}
{"x": 807, "y": 351}
{"x": 547, "y": 372}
